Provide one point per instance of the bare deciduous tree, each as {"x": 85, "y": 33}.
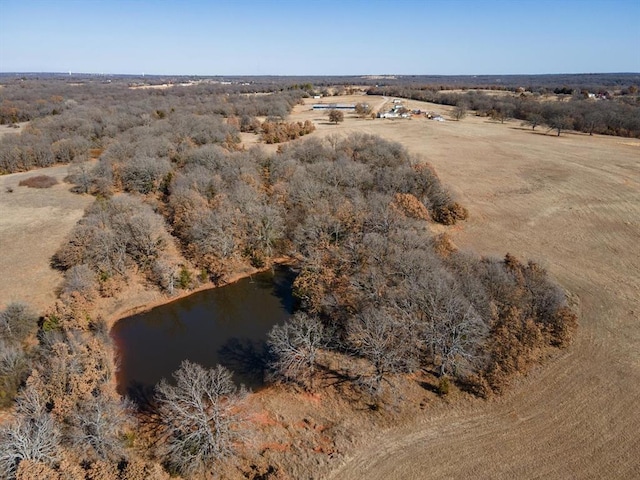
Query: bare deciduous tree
{"x": 165, "y": 274}
{"x": 533, "y": 120}
{"x": 363, "y": 109}
{"x": 266, "y": 227}
{"x": 560, "y": 123}
{"x": 31, "y": 435}
{"x": 96, "y": 428}
{"x": 294, "y": 347}
{"x": 81, "y": 279}
{"x": 17, "y": 321}
{"x": 143, "y": 174}
{"x": 383, "y": 340}
{"x": 202, "y": 417}
{"x": 454, "y": 332}
{"x": 459, "y": 111}
{"x": 14, "y": 366}
{"x": 25, "y": 438}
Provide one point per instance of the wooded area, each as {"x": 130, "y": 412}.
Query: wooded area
{"x": 180, "y": 203}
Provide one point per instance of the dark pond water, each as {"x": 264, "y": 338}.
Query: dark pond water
{"x": 226, "y": 325}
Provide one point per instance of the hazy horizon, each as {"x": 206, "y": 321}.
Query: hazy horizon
{"x": 365, "y": 75}
{"x": 356, "y": 38}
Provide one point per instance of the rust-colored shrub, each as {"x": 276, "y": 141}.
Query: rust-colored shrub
{"x": 410, "y": 206}
{"x": 33, "y": 470}
{"x": 443, "y": 245}
{"x": 278, "y": 132}
{"x": 562, "y": 327}
{"x": 450, "y": 214}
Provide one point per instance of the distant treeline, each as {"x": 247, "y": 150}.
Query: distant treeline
{"x": 26, "y": 100}
{"x": 592, "y": 81}
{"x": 69, "y": 122}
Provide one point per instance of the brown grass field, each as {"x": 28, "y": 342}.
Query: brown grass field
{"x": 570, "y": 202}
{"x": 33, "y": 224}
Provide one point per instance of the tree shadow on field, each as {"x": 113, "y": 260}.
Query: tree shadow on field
{"x": 468, "y": 386}
{"x": 428, "y": 386}
{"x": 336, "y": 378}
{"x": 428, "y": 380}
{"x": 550, "y": 133}
{"x": 345, "y": 383}
{"x": 532, "y": 132}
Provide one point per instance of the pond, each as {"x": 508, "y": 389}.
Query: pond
{"x": 226, "y": 325}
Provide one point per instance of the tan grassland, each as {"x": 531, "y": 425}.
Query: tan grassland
{"x": 6, "y": 129}
{"x": 571, "y": 203}
{"x": 33, "y": 224}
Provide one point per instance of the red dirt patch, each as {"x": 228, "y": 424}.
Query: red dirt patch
{"x": 39, "y": 181}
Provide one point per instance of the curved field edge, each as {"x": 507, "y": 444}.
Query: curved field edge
{"x": 573, "y": 202}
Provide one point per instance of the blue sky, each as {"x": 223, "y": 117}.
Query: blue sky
{"x": 197, "y": 37}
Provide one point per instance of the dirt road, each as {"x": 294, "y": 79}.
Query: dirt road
{"x": 573, "y": 204}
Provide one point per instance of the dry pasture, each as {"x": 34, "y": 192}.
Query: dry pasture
{"x": 7, "y": 130}
{"x": 572, "y": 203}
{"x": 33, "y": 224}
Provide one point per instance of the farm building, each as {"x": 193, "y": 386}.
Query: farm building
{"x": 334, "y": 106}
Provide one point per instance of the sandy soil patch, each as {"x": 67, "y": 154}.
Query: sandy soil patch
{"x": 33, "y": 224}
{"x": 249, "y": 140}
{"x": 7, "y": 130}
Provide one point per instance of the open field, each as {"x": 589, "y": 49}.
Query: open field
{"x": 572, "y": 203}
{"x": 33, "y": 224}
{"x": 6, "y": 129}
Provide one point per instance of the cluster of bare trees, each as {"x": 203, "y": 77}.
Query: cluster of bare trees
{"x": 69, "y": 422}
{"x": 34, "y": 148}
{"x": 82, "y": 120}
{"x": 221, "y": 211}
{"x": 353, "y": 210}
{"x": 68, "y": 417}
{"x": 227, "y": 208}
{"x": 373, "y": 276}
{"x": 116, "y": 236}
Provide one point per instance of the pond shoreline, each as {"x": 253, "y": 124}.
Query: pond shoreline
{"x": 227, "y": 326}
{"x": 117, "y": 314}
